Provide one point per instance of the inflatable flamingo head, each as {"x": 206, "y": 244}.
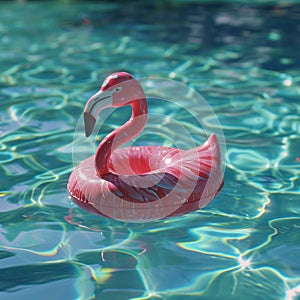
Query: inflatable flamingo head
{"x": 118, "y": 89}
{"x": 115, "y": 79}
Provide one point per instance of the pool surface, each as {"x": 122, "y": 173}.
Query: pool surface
{"x": 243, "y": 58}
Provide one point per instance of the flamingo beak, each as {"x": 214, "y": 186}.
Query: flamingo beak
{"x": 89, "y": 123}
{"x": 93, "y": 107}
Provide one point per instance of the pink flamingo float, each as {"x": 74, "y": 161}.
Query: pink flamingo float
{"x": 141, "y": 183}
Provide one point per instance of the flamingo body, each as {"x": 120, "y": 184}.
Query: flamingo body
{"x": 146, "y": 182}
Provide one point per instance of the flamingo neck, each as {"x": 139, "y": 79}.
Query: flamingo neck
{"x": 120, "y": 136}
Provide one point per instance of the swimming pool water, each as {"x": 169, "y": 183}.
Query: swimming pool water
{"x": 242, "y": 58}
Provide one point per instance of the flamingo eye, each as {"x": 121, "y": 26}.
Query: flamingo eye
{"x": 118, "y": 89}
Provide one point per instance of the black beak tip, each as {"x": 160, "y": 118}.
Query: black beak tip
{"x": 89, "y": 123}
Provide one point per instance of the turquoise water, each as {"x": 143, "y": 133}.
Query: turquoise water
{"x": 243, "y": 59}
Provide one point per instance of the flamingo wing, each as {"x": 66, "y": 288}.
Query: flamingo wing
{"x": 147, "y": 174}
